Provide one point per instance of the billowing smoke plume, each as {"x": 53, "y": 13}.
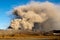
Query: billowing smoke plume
{"x": 35, "y": 15}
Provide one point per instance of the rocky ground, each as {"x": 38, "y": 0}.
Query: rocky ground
{"x": 24, "y": 35}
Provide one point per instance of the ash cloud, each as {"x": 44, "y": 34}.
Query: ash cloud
{"x": 37, "y": 15}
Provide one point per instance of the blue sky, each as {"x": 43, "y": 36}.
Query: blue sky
{"x": 6, "y": 5}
